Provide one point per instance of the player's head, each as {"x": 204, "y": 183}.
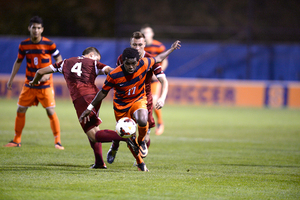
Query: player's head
{"x": 92, "y": 53}
{"x": 148, "y": 32}
{"x": 36, "y": 27}
{"x": 138, "y": 42}
{"x": 130, "y": 57}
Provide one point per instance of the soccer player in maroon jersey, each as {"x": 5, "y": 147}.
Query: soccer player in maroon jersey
{"x": 137, "y": 41}
{"x": 38, "y": 51}
{"x": 80, "y": 74}
{"x": 128, "y": 82}
{"x": 155, "y": 47}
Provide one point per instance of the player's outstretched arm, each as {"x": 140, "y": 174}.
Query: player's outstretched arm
{"x": 164, "y": 91}
{"x": 39, "y": 74}
{"x": 84, "y": 117}
{"x": 160, "y": 57}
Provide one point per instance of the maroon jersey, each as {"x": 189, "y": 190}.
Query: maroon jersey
{"x": 157, "y": 71}
{"x": 80, "y": 74}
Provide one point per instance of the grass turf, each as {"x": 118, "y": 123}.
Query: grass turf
{"x": 204, "y": 153}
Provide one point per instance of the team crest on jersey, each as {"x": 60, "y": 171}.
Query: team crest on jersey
{"x": 43, "y": 51}
{"x": 140, "y": 76}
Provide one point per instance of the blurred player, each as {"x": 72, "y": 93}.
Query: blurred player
{"x": 128, "y": 82}
{"x": 137, "y": 41}
{"x": 80, "y": 74}
{"x": 155, "y": 47}
{"x": 38, "y": 51}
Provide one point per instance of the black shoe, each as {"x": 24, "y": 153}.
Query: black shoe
{"x": 111, "y": 155}
{"x": 143, "y": 149}
{"x": 94, "y": 166}
{"x": 132, "y": 143}
{"x": 142, "y": 167}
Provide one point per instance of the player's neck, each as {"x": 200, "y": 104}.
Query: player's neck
{"x": 36, "y": 39}
{"x": 150, "y": 41}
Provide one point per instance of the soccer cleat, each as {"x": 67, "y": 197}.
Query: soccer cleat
{"x": 111, "y": 155}
{"x": 94, "y": 166}
{"x": 132, "y": 143}
{"x": 12, "y": 144}
{"x": 59, "y": 146}
{"x": 160, "y": 129}
{"x": 143, "y": 149}
{"x": 142, "y": 167}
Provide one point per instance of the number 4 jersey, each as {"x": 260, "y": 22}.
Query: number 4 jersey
{"x": 80, "y": 74}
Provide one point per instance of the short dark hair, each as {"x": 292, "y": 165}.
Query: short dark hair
{"x": 89, "y": 50}
{"x": 36, "y": 19}
{"x": 138, "y": 35}
{"x": 130, "y": 53}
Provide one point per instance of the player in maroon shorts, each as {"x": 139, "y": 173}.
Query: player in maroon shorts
{"x": 80, "y": 74}
{"x": 138, "y": 42}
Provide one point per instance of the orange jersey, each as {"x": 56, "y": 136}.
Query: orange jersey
{"x": 155, "y": 48}
{"x": 128, "y": 88}
{"x": 38, "y": 55}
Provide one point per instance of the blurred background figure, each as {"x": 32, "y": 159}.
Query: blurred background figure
{"x": 155, "y": 47}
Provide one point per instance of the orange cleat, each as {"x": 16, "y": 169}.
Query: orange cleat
{"x": 160, "y": 129}
{"x": 59, "y": 146}
{"x": 12, "y": 144}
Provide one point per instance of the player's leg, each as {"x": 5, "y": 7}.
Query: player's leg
{"x": 46, "y": 98}
{"x": 156, "y": 89}
{"x": 26, "y": 99}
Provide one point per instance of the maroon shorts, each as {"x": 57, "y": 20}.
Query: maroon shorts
{"x": 80, "y": 105}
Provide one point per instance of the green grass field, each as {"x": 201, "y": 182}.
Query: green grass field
{"x": 205, "y": 153}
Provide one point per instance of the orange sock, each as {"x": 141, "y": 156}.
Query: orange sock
{"x": 19, "y": 125}
{"x": 54, "y": 123}
{"x": 138, "y": 158}
{"x": 159, "y": 116}
{"x": 142, "y": 132}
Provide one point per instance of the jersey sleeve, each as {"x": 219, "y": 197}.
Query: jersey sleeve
{"x": 119, "y": 61}
{"x": 108, "y": 83}
{"x": 100, "y": 67}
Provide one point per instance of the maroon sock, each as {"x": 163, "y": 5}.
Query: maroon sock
{"x": 97, "y": 148}
{"x": 148, "y": 144}
{"x": 108, "y": 136}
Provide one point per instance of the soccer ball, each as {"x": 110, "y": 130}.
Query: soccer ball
{"x": 126, "y": 127}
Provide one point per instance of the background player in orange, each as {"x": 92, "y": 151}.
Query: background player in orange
{"x": 80, "y": 74}
{"x": 137, "y": 41}
{"x": 38, "y": 51}
{"x": 128, "y": 82}
{"x": 155, "y": 47}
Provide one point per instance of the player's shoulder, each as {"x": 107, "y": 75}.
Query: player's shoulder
{"x": 148, "y": 55}
{"x": 46, "y": 41}
{"x": 26, "y": 41}
{"x": 156, "y": 42}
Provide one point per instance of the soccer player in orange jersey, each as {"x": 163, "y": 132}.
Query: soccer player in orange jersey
{"x": 38, "y": 51}
{"x": 155, "y": 47}
{"x": 128, "y": 82}
{"x": 137, "y": 41}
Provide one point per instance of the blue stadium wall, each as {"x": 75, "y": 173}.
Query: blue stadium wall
{"x": 194, "y": 60}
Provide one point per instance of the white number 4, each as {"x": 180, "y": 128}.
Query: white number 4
{"x": 77, "y": 69}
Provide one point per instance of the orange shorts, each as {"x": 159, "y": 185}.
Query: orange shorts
{"x": 156, "y": 88}
{"x": 32, "y": 97}
{"x": 140, "y": 104}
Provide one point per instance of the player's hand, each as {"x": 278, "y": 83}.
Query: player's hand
{"x": 9, "y": 85}
{"x": 159, "y": 104}
{"x": 33, "y": 84}
{"x": 84, "y": 117}
{"x": 176, "y": 45}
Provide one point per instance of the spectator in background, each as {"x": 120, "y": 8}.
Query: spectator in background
{"x": 38, "y": 51}
{"x": 155, "y": 47}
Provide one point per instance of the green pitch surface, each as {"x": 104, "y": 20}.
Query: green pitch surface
{"x": 204, "y": 153}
